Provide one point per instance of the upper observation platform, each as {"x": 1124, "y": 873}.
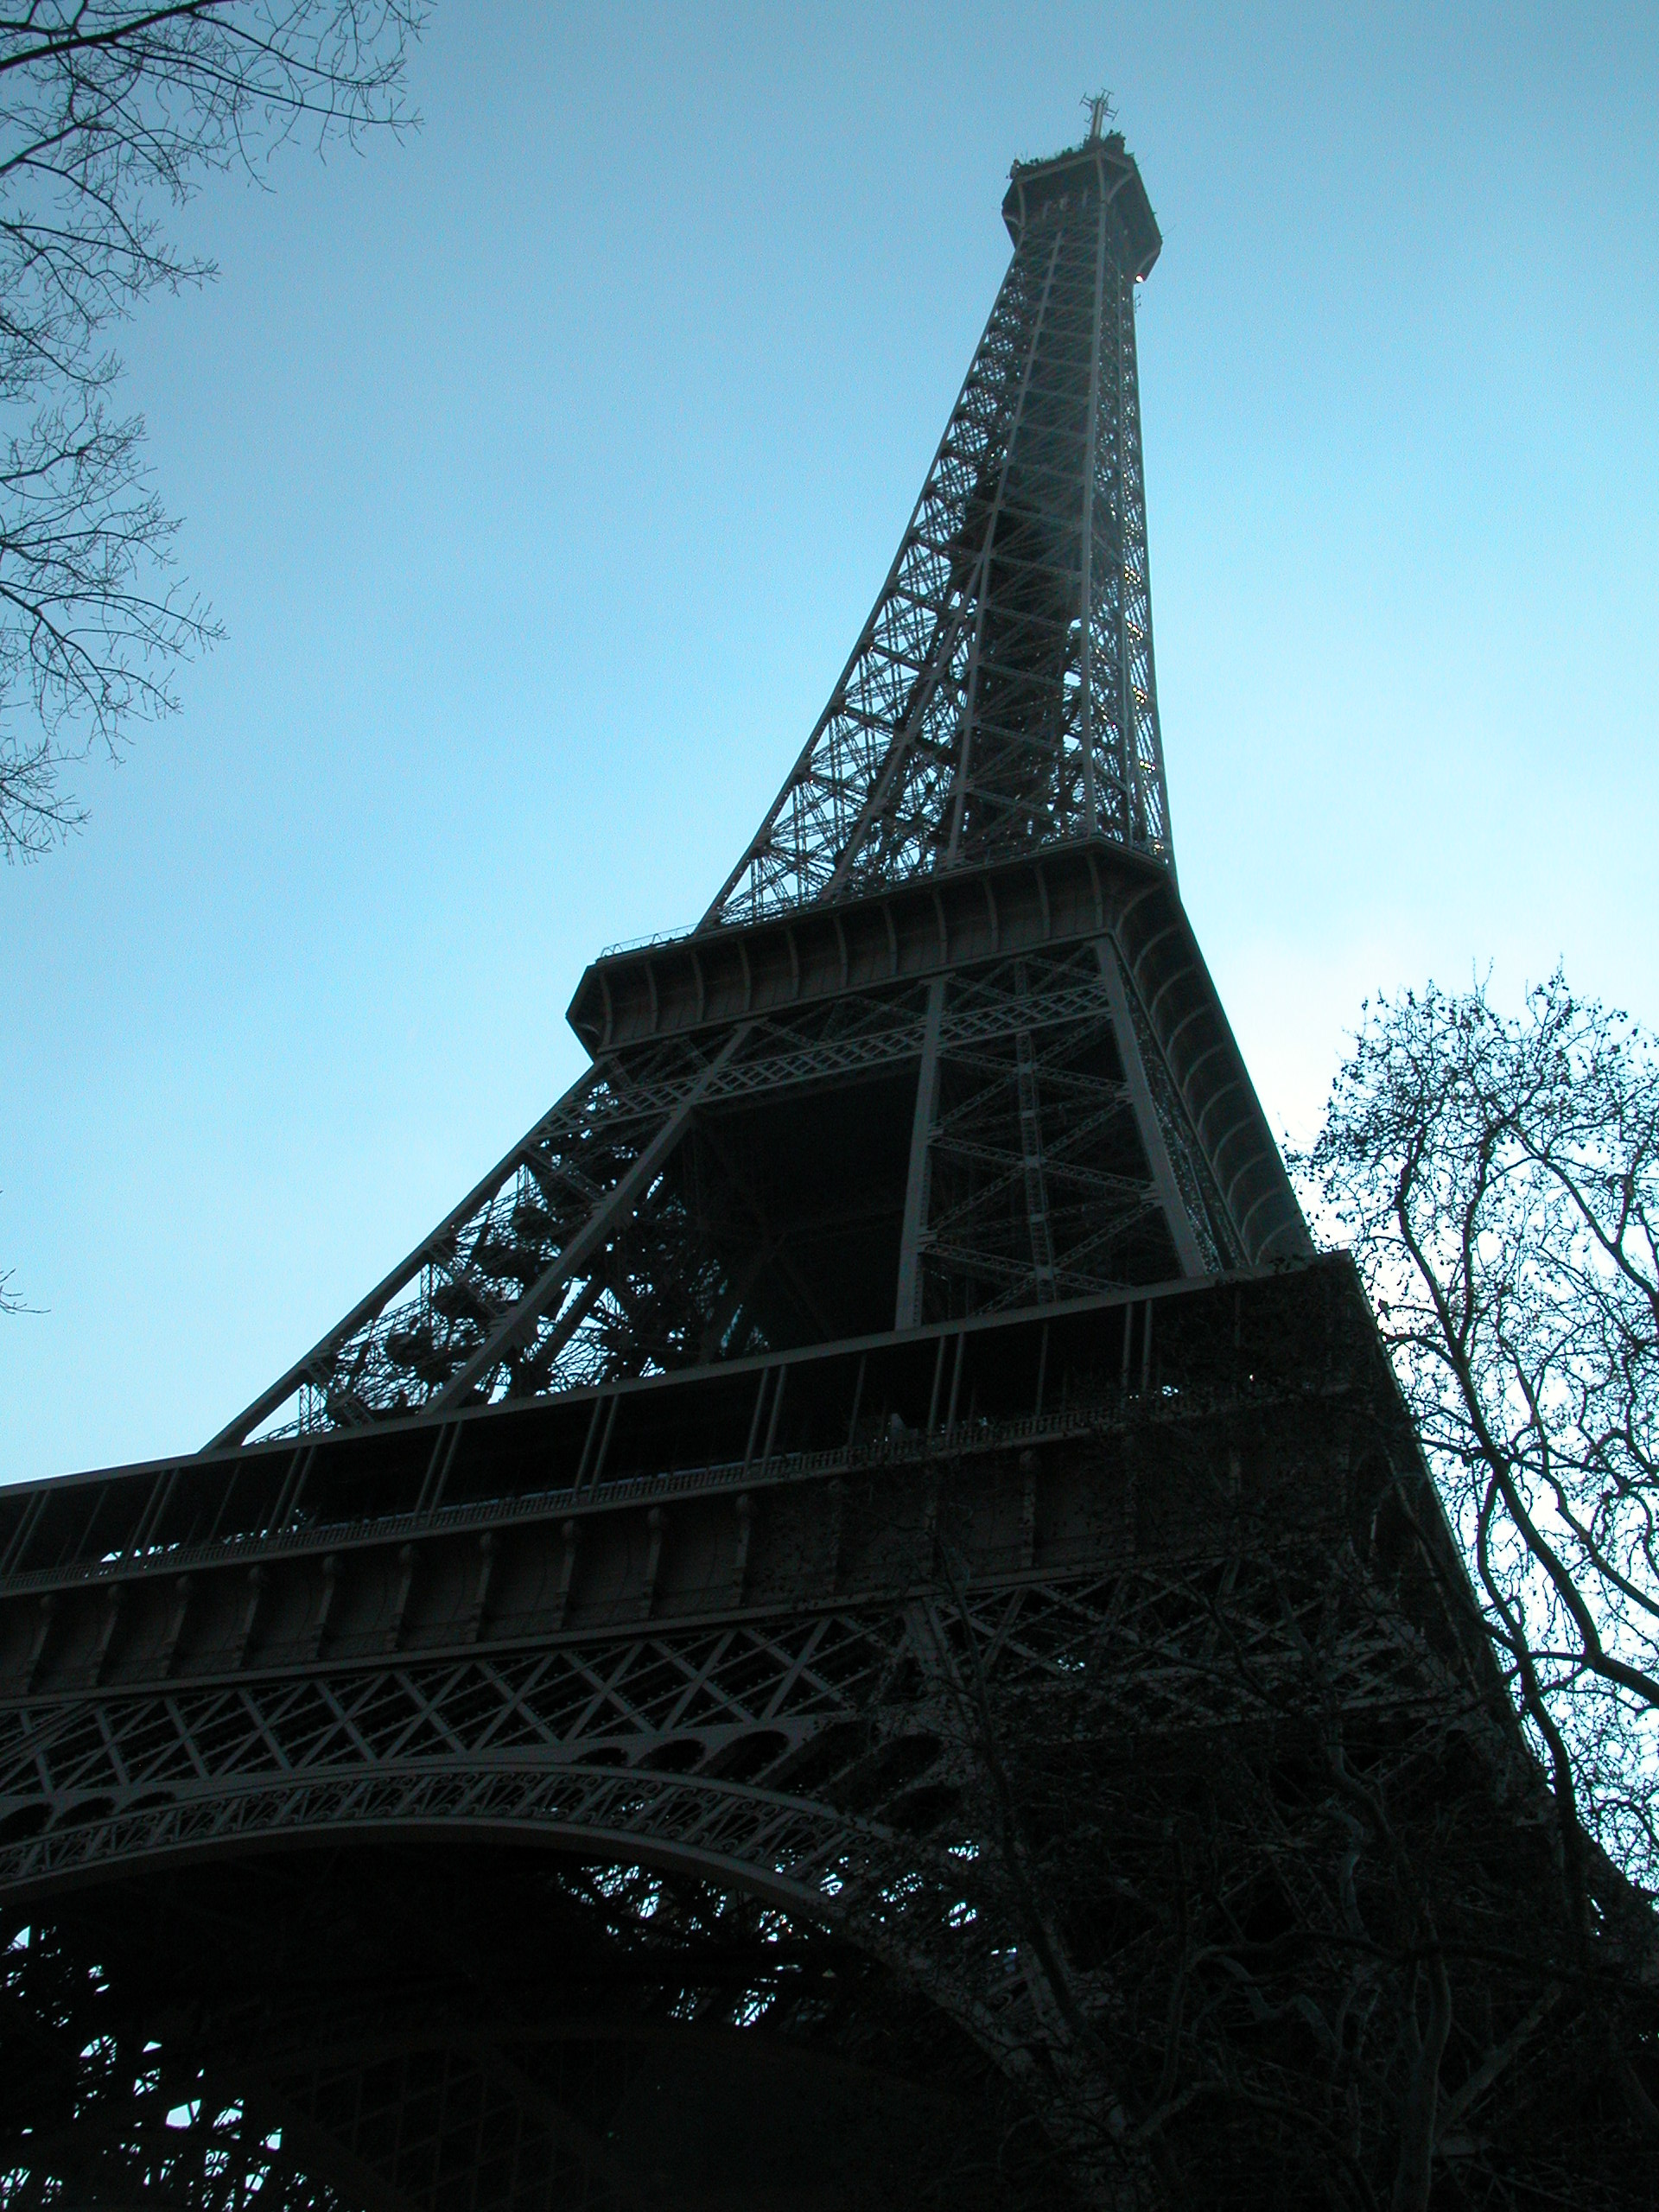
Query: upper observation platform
{"x": 1103, "y": 165}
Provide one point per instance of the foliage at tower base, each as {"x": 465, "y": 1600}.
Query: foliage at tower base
{"x": 1499, "y": 1180}
{"x": 1307, "y": 1922}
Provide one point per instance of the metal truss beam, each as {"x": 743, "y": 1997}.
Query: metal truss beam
{"x": 743, "y": 1692}
{"x": 1002, "y": 689}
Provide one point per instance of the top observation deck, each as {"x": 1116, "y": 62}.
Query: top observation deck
{"x": 1102, "y": 164}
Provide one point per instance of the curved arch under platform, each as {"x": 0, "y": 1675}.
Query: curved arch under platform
{"x": 451, "y": 2023}
{"x": 1017, "y": 1803}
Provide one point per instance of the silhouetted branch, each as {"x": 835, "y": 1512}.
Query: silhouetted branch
{"x": 107, "y": 113}
{"x": 1500, "y": 1182}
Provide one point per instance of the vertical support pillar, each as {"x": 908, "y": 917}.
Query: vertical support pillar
{"x": 48, "y": 1605}
{"x": 1030, "y": 1148}
{"x": 1146, "y": 1113}
{"x": 112, "y": 1597}
{"x": 956, "y": 1384}
{"x": 149, "y": 1519}
{"x": 568, "y": 1535}
{"x": 17, "y": 1549}
{"x": 294, "y": 1482}
{"x": 594, "y": 1419}
{"x": 908, "y": 1312}
{"x": 401, "y": 1590}
{"x": 591, "y": 1479}
{"x": 1086, "y": 607}
{"x": 837, "y": 1523}
{"x": 332, "y": 1566}
{"x": 175, "y": 1630}
{"x": 473, "y": 1623}
{"x": 258, "y": 1578}
{"x": 858, "y": 1400}
{"x": 740, "y": 1549}
{"x": 754, "y": 1419}
{"x": 438, "y": 1466}
{"x": 938, "y": 1384}
{"x": 653, "y": 1561}
{"x": 777, "y": 1408}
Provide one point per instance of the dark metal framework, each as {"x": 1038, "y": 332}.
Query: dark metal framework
{"x": 1001, "y": 694}
{"x": 933, "y": 1107}
{"x": 609, "y": 1791}
{"x": 941, "y": 963}
{"x": 861, "y": 1623}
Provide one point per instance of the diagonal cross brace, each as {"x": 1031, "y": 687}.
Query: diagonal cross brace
{"x": 366, "y": 1309}
{"x": 524, "y": 1311}
{"x": 596, "y": 1232}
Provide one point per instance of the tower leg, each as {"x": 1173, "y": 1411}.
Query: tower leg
{"x": 908, "y": 1314}
{"x": 1146, "y": 1113}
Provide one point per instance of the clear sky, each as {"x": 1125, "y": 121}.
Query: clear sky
{"x": 543, "y": 468}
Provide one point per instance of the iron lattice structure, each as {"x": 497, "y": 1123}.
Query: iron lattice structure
{"x": 863, "y": 1623}
{"x": 951, "y": 969}
{"x": 1001, "y": 694}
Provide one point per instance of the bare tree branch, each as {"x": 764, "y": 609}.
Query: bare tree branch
{"x": 109, "y": 113}
{"x": 1499, "y": 1181}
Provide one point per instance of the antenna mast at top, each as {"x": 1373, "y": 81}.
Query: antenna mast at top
{"x": 1101, "y": 112}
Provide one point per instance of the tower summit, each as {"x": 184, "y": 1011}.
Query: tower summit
{"x": 1001, "y": 695}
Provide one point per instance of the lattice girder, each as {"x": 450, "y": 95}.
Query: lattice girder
{"x": 861, "y": 1623}
{"x": 998, "y": 713}
{"x": 1001, "y": 694}
{"x": 664, "y": 1215}
{"x": 789, "y": 1698}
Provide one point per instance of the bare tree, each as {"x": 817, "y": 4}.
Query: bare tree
{"x": 1277, "y": 1864}
{"x": 1499, "y": 1181}
{"x": 109, "y": 113}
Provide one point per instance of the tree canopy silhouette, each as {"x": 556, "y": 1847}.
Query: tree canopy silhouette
{"x": 110, "y": 113}
{"x": 1499, "y": 1179}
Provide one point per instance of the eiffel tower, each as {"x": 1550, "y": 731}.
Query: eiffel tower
{"x": 863, "y": 1623}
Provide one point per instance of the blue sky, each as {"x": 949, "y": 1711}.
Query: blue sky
{"x": 543, "y": 468}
